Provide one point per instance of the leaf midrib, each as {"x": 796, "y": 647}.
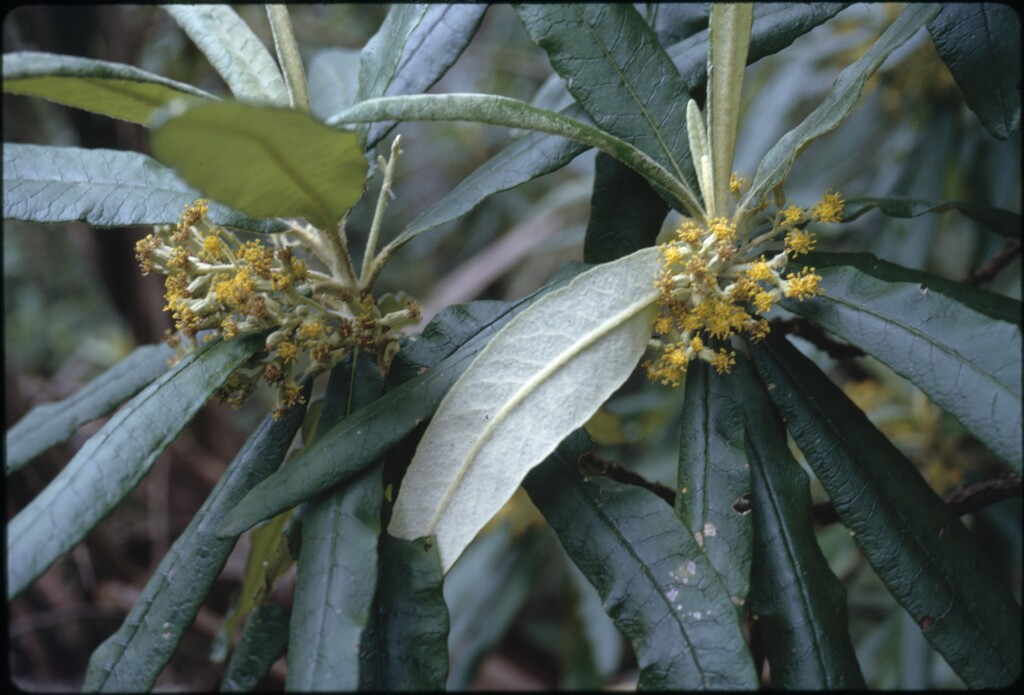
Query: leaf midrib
{"x": 576, "y": 348}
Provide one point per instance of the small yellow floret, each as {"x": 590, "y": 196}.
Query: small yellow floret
{"x": 798, "y": 242}
{"x": 723, "y": 361}
{"x": 803, "y": 285}
{"x": 723, "y": 230}
{"x": 792, "y": 213}
{"x": 830, "y": 209}
{"x": 735, "y": 183}
{"x": 287, "y": 351}
{"x": 690, "y": 232}
{"x": 760, "y": 271}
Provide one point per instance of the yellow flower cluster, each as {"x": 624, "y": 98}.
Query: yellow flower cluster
{"x": 216, "y": 282}
{"x": 711, "y": 288}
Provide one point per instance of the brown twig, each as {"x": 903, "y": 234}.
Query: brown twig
{"x": 593, "y": 467}
{"x": 988, "y": 270}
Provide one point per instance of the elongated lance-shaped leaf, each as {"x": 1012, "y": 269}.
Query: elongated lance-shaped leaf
{"x": 133, "y": 657}
{"x": 616, "y": 69}
{"x": 112, "y": 89}
{"x": 844, "y": 94}
{"x": 367, "y": 434}
{"x": 332, "y": 80}
{"x": 960, "y": 345}
{"x": 513, "y": 113}
{"x": 1002, "y": 222}
{"x": 265, "y": 161}
{"x": 655, "y": 582}
{"x": 234, "y": 51}
{"x": 424, "y": 41}
{"x": 49, "y": 424}
{"x": 714, "y": 476}
{"x": 728, "y": 41}
{"x": 625, "y": 212}
{"x": 337, "y": 568}
{"x": 921, "y": 551}
{"x": 114, "y": 460}
{"x": 105, "y": 188}
{"x": 288, "y": 56}
{"x": 405, "y": 644}
{"x": 980, "y": 44}
{"x": 799, "y": 604}
{"x": 263, "y": 642}
{"x": 529, "y": 388}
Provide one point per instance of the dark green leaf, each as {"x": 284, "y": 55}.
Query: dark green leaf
{"x": 617, "y": 71}
{"x": 656, "y": 583}
{"x": 114, "y": 460}
{"x": 839, "y": 102}
{"x": 980, "y": 44}
{"x": 1002, "y": 222}
{"x": 960, "y": 345}
{"x": 49, "y": 424}
{"x": 112, "y": 89}
{"x": 427, "y": 51}
{"x": 930, "y": 563}
{"x": 133, "y": 657}
{"x": 105, "y": 188}
{"x": 265, "y": 161}
{"x": 405, "y": 644}
{"x": 625, "y": 212}
{"x": 714, "y": 477}
{"x": 234, "y": 51}
{"x": 263, "y": 641}
{"x": 382, "y": 54}
{"x": 799, "y": 604}
{"x": 337, "y": 568}
{"x": 369, "y": 432}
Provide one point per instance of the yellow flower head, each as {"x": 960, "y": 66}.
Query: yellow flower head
{"x": 830, "y": 209}
{"x": 724, "y": 231}
{"x": 759, "y": 270}
{"x": 287, "y": 351}
{"x": 690, "y": 232}
{"x": 798, "y": 241}
{"x": 736, "y": 182}
{"x": 792, "y": 213}
{"x": 803, "y": 285}
{"x": 214, "y": 249}
{"x": 723, "y": 361}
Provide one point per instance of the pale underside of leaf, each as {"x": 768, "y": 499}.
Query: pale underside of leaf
{"x": 541, "y": 377}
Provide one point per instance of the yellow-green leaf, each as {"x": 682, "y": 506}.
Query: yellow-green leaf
{"x": 264, "y": 161}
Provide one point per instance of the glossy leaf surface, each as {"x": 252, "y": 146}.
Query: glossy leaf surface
{"x": 49, "y": 424}
{"x": 264, "y": 161}
{"x": 960, "y": 345}
{"x": 104, "y": 188}
{"x": 799, "y": 604}
{"x": 930, "y": 563}
{"x": 405, "y": 643}
{"x": 617, "y": 71}
{"x": 530, "y": 387}
{"x": 713, "y": 479}
{"x": 133, "y": 657}
{"x": 655, "y": 582}
{"x": 112, "y": 89}
{"x": 114, "y": 460}
{"x": 980, "y": 44}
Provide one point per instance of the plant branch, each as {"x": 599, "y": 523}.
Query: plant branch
{"x": 369, "y": 261}
{"x": 987, "y": 271}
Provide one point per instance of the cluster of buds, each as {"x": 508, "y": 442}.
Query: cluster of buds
{"x": 711, "y": 287}
{"x": 218, "y": 283}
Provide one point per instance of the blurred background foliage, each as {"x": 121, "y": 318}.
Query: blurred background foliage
{"x": 521, "y": 614}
